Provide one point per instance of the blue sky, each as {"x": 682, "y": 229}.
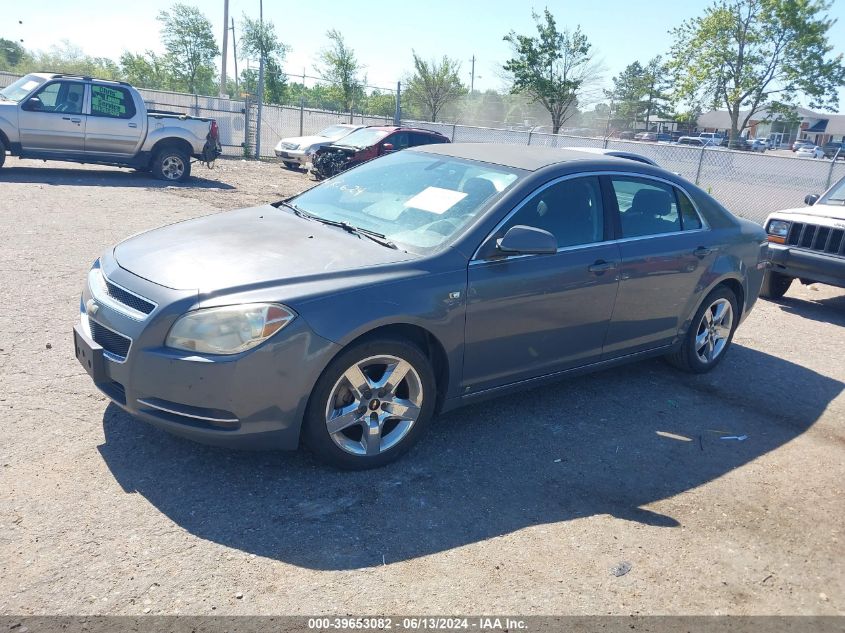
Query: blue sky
{"x": 381, "y": 32}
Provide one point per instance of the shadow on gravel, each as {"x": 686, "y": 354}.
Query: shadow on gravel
{"x": 106, "y": 177}
{"x": 609, "y": 443}
{"x": 826, "y": 310}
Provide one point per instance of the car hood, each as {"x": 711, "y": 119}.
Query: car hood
{"x": 248, "y": 248}
{"x": 832, "y": 211}
{"x": 305, "y": 141}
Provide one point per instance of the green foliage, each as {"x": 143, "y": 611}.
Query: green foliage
{"x": 639, "y": 93}
{"x": 259, "y": 41}
{"x": 11, "y": 54}
{"x": 191, "y": 48}
{"x": 146, "y": 70}
{"x": 434, "y": 85}
{"x": 553, "y": 68}
{"x": 755, "y": 54}
{"x": 67, "y": 58}
{"x": 340, "y": 68}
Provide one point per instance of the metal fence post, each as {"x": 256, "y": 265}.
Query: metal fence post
{"x": 454, "y": 126}
{"x": 830, "y": 171}
{"x": 606, "y": 140}
{"x": 530, "y": 132}
{"x": 397, "y": 115}
{"x": 700, "y": 160}
{"x": 196, "y": 105}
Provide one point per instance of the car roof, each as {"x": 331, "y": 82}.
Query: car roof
{"x": 402, "y": 128}
{"x": 616, "y": 153}
{"x": 525, "y": 157}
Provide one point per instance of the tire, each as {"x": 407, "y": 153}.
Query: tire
{"x": 774, "y": 285}
{"x": 2, "y": 153}
{"x": 704, "y": 346}
{"x": 370, "y": 405}
{"x": 171, "y": 164}
{"x": 291, "y": 166}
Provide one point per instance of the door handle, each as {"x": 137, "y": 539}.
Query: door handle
{"x": 702, "y": 252}
{"x": 601, "y": 266}
{"x": 133, "y": 125}
{"x": 67, "y": 118}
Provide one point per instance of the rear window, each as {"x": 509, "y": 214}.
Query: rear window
{"x": 111, "y": 101}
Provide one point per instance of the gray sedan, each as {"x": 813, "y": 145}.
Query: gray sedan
{"x": 351, "y": 314}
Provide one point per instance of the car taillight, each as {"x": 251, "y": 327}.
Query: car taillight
{"x": 214, "y": 131}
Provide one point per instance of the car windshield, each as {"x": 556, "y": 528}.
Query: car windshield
{"x": 22, "y": 87}
{"x": 835, "y": 195}
{"x": 335, "y": 132}
{"x": 364, "y": 137}
{"x": 419, "y": 201}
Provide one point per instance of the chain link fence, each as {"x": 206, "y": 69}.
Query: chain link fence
{"x": 751, "y": 185}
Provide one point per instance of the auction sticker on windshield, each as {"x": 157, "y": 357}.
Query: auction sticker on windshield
{"x": 436, "y": 200}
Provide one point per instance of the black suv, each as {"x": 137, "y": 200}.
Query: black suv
{"x": 834, "y": 149}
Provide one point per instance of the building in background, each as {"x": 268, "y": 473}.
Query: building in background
{"x": 818, "y": 128}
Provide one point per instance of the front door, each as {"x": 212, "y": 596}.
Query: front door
{"x": 665, "y": 251}
{"x": 51, "y": 120}
{"x": 532, "y": 315}
{"x": 115, "y": 127}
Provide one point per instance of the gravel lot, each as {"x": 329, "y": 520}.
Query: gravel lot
{"x": 522, "y": 505}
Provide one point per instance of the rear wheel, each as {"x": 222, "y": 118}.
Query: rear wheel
{"x": 774, "y": 285}
{"x": 291, "y": 165}
{"x": 371, "y": 404}
{"x": 710, "y": 333}
{"x": 172, "y": 164}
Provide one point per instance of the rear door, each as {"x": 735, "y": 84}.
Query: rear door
{"x": 665, "y": 250}
{"x": 115, "y": 126}
{"x": 51, "y": 120}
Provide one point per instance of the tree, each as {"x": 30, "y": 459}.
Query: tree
{"x": 626, "y": 95}
{"x": 654, "y": 89}
{"x": 434, "y": 84}
{"x": 259, "y": 41}
{"x": 340, "y": 68}
{"x": 191, "y": 47}
{"x": 553, "y": 68}
{"x": 146, "y": 70}
{"x": 11, "y": 53}
{"x": 748, "y": 55}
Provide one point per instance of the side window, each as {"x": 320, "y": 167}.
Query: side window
{"x": 399, "y": 140}
{"x": 418, "y": 138}
{"x": 571, "y": 210}
{"x": 689, "y": 218}
{"x": 111, "y": 101}
{"x": 62, "y": 96}
{"x": 646, "y": 207}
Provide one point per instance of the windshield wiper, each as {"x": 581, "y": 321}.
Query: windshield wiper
{"x": 378, "y": 238}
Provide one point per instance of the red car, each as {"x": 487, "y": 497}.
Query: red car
{"x": 368, "y": 143}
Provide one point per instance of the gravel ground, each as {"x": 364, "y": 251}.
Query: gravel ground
{"x": 531, "y": 504}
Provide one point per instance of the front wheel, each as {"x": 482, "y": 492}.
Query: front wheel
{"x": 172, "y": 164}
{"x": 774, "y": 285}
{"x": 710, "y": 334}
{"x": 291, "y": 165}
{"x": 371, "y": 404}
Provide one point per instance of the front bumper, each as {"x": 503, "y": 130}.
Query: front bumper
{"x": 293, "y": 156}
{"x": 253, "y": 400}
{"x": 808, "y": 265}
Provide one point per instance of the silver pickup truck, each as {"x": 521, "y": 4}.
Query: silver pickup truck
{"x": 71, "y": 118}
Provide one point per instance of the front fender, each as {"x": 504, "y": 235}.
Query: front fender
{"x": 9, "y": 124}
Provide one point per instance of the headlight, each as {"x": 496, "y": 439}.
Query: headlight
{"x": 228, "y": 330}
{"x": 778, "y": 228}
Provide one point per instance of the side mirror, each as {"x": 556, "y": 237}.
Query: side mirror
{"x": 32, "y": 104}
{"x": 527, "y": 240}
{"x": 387, "y": 147}
{"x": 811, "y": 199}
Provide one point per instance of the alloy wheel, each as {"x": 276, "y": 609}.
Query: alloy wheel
{"x": 714, "y": 331}
{"x": 374, "y": 405}
{"x": 173, "y": 167}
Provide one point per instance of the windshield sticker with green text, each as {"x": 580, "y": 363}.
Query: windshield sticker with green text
{"x": 107, "y": 101}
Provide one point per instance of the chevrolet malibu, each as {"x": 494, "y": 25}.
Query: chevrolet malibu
{"x": 351, "y": 314}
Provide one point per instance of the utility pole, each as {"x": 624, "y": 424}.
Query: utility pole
{"x": 225, "y": 48}
{"x": 397, "y": 116}
{"x": 260, "y": 81}
{"x": 472, "y": 76}
{"x": 235, "y": 56}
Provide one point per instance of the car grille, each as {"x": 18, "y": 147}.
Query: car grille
{"x": 823, "y": 239}
{"x": 114, "y": 343}
{"x": 290, "y": 146}
{"x": 127, "y": 298}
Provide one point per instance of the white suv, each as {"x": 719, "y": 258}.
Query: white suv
{"x": 807, "y": 243}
